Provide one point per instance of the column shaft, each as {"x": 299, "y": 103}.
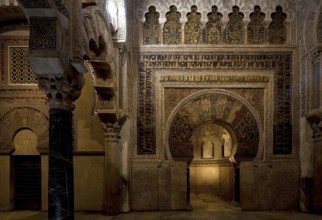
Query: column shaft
{"x": 60, "y": 178}
{"x": 317, "y": 177}
{"x": 112, "y": 178}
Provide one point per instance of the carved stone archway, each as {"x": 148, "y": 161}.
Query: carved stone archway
{"x": 23, "y": 118}
{"x": 215, "y": 106}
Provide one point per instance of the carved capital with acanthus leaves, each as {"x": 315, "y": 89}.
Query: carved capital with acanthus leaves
{"x": 112, "y": 131}
{"x": 317, "y": 132}
{"x": 61, "y": 90}
{"x": 316, "y": 125}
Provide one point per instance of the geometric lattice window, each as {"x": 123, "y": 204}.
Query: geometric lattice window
{"x": 20, "y": 71}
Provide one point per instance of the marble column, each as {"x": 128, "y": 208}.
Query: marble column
{"x": 61, "y": 92}
{"x": 60, "y": 178}
{"x": 112, "y": 197}
{"x": 317, "y": 168}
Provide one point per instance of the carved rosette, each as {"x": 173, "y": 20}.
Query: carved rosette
{"x": 61, "y": 91}
{"x": 112, "y": 132}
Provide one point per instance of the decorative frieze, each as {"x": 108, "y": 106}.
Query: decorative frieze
{"x": 214, "y": 78}
{"x": 212, "y": 33}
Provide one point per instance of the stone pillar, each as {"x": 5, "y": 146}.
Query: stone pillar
{"x": 112, "y": 186}
{"x": 61, "y": 91}
{"x": 317, "y": 168}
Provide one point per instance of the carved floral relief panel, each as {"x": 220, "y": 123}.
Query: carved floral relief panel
{"x": 205, "y": 24}
{"x": 172, "y": 27}
{"x": 256, "y": 27}
{"x": 151, "y": 27}
{"x": 235, "y": 27}
{"x": 213, "y": 29}
{"x": 277, "y": 28}
{"x": 193, "y": 27}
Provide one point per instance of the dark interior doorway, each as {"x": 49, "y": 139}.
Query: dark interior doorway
{"x": 27, "y": 174}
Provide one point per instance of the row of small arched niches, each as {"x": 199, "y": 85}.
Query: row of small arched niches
{"x": 214, "y": 31}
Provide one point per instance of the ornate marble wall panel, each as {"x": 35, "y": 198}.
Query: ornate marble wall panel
{"x": 225, "y": 7}
{"x": 149, "y": 63}
{"x": 145, "y": 180}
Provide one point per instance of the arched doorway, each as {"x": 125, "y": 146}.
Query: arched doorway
{"x": 212, "y": 170}
{"x": 24, "y": 139}
{"x": 26, "y": 171}
{"x": 199, "y": 129}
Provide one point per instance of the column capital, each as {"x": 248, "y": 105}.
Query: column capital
{"x": 317, "y": 132}
{"x": 61, "y": 90}
{"x": 112, "y": 131}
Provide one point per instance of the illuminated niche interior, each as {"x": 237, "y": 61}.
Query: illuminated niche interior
{"x": 213, "y": 142}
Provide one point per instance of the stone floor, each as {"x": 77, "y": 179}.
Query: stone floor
{"x": 205, "y": 207}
